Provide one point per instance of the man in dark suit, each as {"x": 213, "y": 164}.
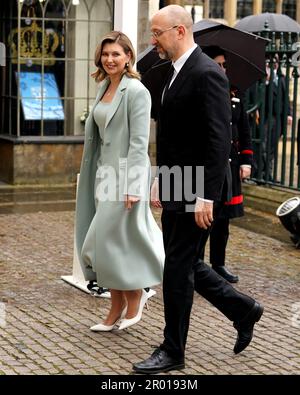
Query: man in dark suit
{"x": 193, "y": 132}
{"x": 274, "y": 118}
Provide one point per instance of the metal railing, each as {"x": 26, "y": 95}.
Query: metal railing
{"x": 57, "y": 38}
{"x": 274, "y": 114}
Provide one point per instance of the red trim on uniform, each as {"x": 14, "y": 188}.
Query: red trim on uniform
{"x": 247, "y": 151}
{"x": 235, "y": 200}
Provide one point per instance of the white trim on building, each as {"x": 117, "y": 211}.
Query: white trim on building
{"x": 126, "y": 19}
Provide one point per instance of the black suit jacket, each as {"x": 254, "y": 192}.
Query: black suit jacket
{"x": 193, "y": 128}
{"x": 279, "y": 92}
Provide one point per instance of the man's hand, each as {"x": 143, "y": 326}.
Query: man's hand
{"x": 245, "y": 172}
{"x": 203, "y": 213}
{"x": 130, "y": 200}
{"x": 154, "y": 196}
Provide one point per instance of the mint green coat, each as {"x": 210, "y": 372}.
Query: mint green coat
{"x": 121, "y": 249}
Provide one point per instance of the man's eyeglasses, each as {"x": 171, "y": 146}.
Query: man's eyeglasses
{"x": 222, "y": 64}
{"x": 158, "y": 33}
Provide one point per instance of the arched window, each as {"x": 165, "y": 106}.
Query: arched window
{"x": 269, "y": 6}
{"x": 47, "y": 88}
{"x": 289, "y": 8}
{"x": 216, "y": 9}
{"x": 244, "y": 8}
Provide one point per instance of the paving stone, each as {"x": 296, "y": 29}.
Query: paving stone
{"x": 47, "y": 320}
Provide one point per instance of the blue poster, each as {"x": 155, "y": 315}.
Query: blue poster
{"x": 40, "y": 102}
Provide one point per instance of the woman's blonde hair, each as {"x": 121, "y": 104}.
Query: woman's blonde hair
{"x": 121, "y": 39}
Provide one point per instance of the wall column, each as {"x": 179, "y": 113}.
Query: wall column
{"x": 298, "y": 11}
{"x": 2, "y": 54}
{"x": 230, "y": 9}
{"x": 257, "y": 7}
{"x": 126, "y": 19}
{"x": 279, "y": 6}
{"x": 206, "y": 9}
{"x": 179, "y": 2}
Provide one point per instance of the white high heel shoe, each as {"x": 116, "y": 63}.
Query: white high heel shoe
{"x": 108, "y": 328}
{"x": 126, "y": 322}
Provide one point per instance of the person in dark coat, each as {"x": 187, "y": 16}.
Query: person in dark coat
{"x": 241, "y": 159}
{"x": 274, "y": 117}
{"x": 193, "y": 133}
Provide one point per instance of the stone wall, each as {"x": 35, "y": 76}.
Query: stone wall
{"x": 40, "y": 160}
{"x": 143, "y": 26}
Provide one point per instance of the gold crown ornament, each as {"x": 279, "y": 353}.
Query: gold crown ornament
{"x": 35, "y": 44}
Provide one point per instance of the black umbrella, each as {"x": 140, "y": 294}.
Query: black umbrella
{"x": 271, "y": 21}
{"x": 245, "y": 56}
{"x": 245, "y": 53}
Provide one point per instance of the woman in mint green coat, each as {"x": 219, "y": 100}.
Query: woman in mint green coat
{"x": 118, "y": 241}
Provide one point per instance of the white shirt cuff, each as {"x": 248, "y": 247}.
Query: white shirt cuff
{"x": 205, "y": 200}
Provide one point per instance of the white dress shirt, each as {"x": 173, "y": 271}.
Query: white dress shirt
{"x": 181, "y": 61}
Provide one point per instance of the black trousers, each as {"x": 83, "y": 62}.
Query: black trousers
{"x": 184, "y": 273}
{"x": 218, "y": 239}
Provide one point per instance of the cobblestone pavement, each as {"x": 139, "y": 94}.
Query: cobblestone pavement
{"x": 44, "y": 322}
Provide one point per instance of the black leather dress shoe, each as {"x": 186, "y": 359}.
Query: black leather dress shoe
{"x": 225, "y": 273}
{"x": 159, "y": 361}
{"x": 245, "y": 327}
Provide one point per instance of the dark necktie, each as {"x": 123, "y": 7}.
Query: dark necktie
{"x": 168, "y": 80}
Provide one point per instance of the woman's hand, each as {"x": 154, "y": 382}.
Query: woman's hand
{"x": 130, "y": 200}
{"x": 154, "y": 196}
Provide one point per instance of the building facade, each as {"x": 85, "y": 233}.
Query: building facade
{"x": 230, "y": 11}
{"x": 45, "y": 87}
